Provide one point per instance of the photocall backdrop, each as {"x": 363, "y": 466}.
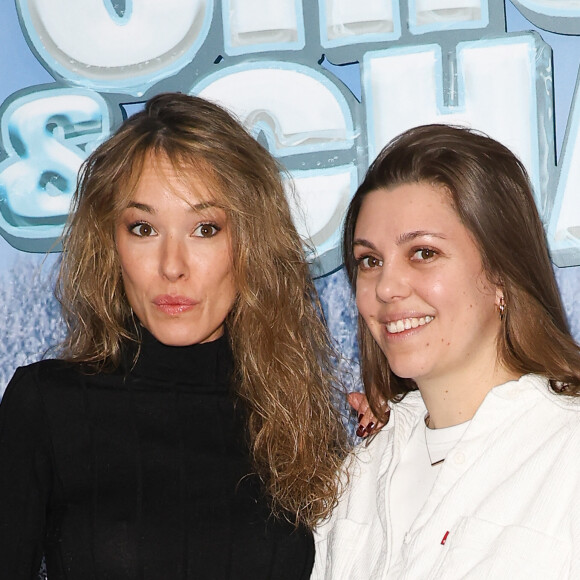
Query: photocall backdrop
{"x": 324, "y": 85}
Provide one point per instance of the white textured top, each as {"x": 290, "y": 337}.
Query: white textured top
{"x": 505, "y": 504}
{"x": 415, "y": 475}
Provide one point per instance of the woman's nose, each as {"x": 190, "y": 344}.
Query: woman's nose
{"x": 392, "y": 283}
{"x": 173, "y": 261}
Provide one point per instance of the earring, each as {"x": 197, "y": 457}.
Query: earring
{"x": 501, "y": 308}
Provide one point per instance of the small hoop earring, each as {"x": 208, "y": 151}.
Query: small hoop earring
{"x": 501, "y": 308}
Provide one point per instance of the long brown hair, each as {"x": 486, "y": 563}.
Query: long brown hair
{"x": 280, "y": 344}
{"x": 491, "y": 193}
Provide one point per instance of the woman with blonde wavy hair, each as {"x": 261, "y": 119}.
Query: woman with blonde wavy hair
{"x": 187, "y": 431}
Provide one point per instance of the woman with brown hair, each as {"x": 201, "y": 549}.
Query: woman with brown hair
{"x": 462, "y": 331}
{"x": 187, "y": 430}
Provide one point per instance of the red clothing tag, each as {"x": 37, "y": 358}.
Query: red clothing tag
{"x": 444, "y": 538}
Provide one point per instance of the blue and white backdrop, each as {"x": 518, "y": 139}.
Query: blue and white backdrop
{"x": 323, "y": 84}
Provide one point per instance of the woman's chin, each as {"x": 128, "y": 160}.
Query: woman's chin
{"x": 175, "y": 336}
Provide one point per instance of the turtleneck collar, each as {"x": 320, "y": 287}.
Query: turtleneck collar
{"x": 209, "y": 363}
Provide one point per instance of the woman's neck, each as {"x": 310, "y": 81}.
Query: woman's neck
{"x": 205, "y": 363}
{"x": 455, "y": 397}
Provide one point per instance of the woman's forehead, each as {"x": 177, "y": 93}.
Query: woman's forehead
{"x": 194, "y": 182}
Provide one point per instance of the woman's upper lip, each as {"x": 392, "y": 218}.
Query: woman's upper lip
{"x": 167, "y": 300}
{"x": 402, "y": 316}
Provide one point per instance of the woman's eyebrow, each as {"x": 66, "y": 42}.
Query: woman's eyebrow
{"x": 364, "y": 243}
{"x": 401, "y": 239}
{"x": 196, "y": 207}
{"x": 410, "y": 236}
{"x": 141, "y": 206}
{"x": 204, "y": 205}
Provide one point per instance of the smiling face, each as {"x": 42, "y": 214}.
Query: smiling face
{"x": 421, "y": 288}
{"x": 174, "y": 249}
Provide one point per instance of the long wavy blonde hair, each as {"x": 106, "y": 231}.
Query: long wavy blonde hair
{"x": 282, "y": 353}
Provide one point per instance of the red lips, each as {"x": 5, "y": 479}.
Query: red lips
{"x": 173, "y": 305}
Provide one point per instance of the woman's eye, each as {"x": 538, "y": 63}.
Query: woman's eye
{"x": 142, "y": 229}
{"x": 423, "y": 254}
{"x": 206, "y": 230}
{"x": 368, "y": 262}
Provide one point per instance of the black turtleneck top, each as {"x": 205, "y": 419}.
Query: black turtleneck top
{"x": 142, "y": 474}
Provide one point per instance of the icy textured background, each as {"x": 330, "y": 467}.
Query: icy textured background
{"x": 30, "y": 313}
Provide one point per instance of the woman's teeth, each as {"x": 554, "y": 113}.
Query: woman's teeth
{"x": 407, "y": 323}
